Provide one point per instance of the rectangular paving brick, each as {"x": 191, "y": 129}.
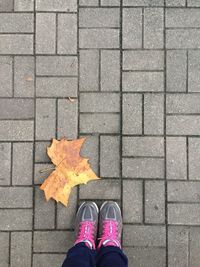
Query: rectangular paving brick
{"x": 88, "y": 2}
{"x": 41, "y": 152}
{"x": 132, "y": 104}
{"x": 133, "y": 201}
{"x": 193, "y": 71}
{"x": 45, "y": 119}
{"x": 16, "y": 23}
{"x": 56, "y": 65}
{"x": 183, "y": 125}
{"x": 5, "y": 163}
{"x": 154, "y": 202}
{"x": 6, "y": 5}
{"x": 132, "y": 28}
{"x": 89, "y": 70}
{"x": 144, "y": 236}
{"x": 46, "y": 260}
{"x": 153, "y": 114}
{"x": 96, "y": 190}
{"x": 109, "y": 156}
{"x": 194, "y": 236}
{"x": 23, "y": 5}
{"x": 175, "y": 3}
{"x": 24, "y": 68}
{"x": 99, "y": 17}
{"x": 99, "y": 123}
{"x": 110, "y": 70}
{"x": 153, "y": 28}
{"x": 143, "y": 3}
{"x": 45, "y": 33}
{"x": 193, "y": 3}
{"x": 19, "y": 44}
{"x": 99, "y": 102}
{"x": 16, "y": 130}
{"x": 16, "y": 219}
{"x": 99, "y": 38}
{"x": 176, "y": 71}
{"x": 21, "y": 247}
{"x": 67, "y": 34}
{"x": 193, "y": 155}
{"x": 143, "y": 60}
{"x": 176, "y": 158}
{"x": 143, "y": 82}
{"x": 6, "y": 72}
{"x": 56, "y": 5}
{"x": 56, "y": 241}
{"x": 67, "y": 119}
{"x": 143, "y": 168}
{"x": 143, "y": 146}
{"x": 110, "y": 2}
{"x": 4, "y": 249}
{"x": 183, "y": 214}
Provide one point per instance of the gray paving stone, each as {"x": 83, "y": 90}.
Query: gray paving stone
{"x": 67, "y": 34}
{"x": 89, "y": 70}
{"x": 16, "y": 197}
{"x": 56, "y": 65}
{"x": 193, "y": 71}
{"x": 6, "y": 72}
{"x": 56, "y": 241}
{"x": 56, "y": 86}
{"x": 133, "y": 201}
{"x": 144, "y": 236}
{"x": 67, "y": 119}
{"x": 99, "y": 17}
{"x": 101, "y": 189}
{"x": 143, "y": 146}
{"x": 19, "y": 44}
{"x": 132, "y": 28}
{"x": 57, "y": 5}
{"x": 183, "y": 125}
{"x": 184, "y": 214}
{"x": 143, "y": 60}
{"x": 45, "y": 33}
{"x": 16, "y": 109}
{"x": 99, "y": 123}
{"x": 24, "y": 76}
{"x": 21, "y": 247}
{"x": 182, "y": 38}
{"x": 99, "y": 102}
{"x": 143, "y": 168}
{"x": 110, "y": 2}
{"x": 99, "y": 38}
{"x": 143, "y": 3}
{"x": 110, "y": 70}
{"x": 154, "y": 202}
{"x": 16, "y": 219}
{"x": 143, "y": 257}
{"x": 44, "y": 211}
{"x": 175, "y": 3}
{"x": 45, "y": 119}
{"x": 109, "y": 156}
{"x": 194, "y": 246}
{"x": 132, "y": 104}
{"x": 187, "y": 18}
{"x": 16, "y": 23}
{"x": 5, "y": 163}
{"x": 143, "y": 82}
{"x": 4, "y": 249}
{"x": 193, "y": 3}
{"x": 66, "y": 216}
{"x": 16, "y": 130}
{"x": 153, "y": 114}
{"x": 153, "y": 28}
{"x": 88, "y": 2}
{"x": 46, "y": 260}
{"x": 176, "y": 158}
{"x": 42, "y": 171}
{"x": 41, "y": 152}
{"x": 183, "y": 191}
{"x": 176, "y": 71}
{"x": 193, "y": 154}
{"x": 6, "y": 5}
{"x": 24, "y": 5}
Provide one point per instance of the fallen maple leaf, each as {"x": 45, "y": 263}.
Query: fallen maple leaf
{"x": 71, "y": 169}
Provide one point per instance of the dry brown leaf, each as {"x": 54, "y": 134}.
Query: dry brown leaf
{"x": 71, "y": 169}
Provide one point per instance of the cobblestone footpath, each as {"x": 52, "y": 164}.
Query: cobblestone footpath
{"x": 126, "y": 74}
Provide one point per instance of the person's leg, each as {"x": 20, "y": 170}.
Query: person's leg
{"x": 110, "y": 229}
{"x": 84, "y": 252}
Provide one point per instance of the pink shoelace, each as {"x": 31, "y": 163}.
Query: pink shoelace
{"x": 86, "y": 234}
{"x": 109, "y": 234}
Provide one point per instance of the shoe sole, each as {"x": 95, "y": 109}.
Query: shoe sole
{"x": 93, "y": 203}
{"x": 106, "y": 202}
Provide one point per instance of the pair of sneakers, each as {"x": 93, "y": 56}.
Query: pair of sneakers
{"x": 108, "y": 220}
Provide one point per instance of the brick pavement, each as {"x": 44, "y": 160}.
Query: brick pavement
{"x": 132, "y": 68}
